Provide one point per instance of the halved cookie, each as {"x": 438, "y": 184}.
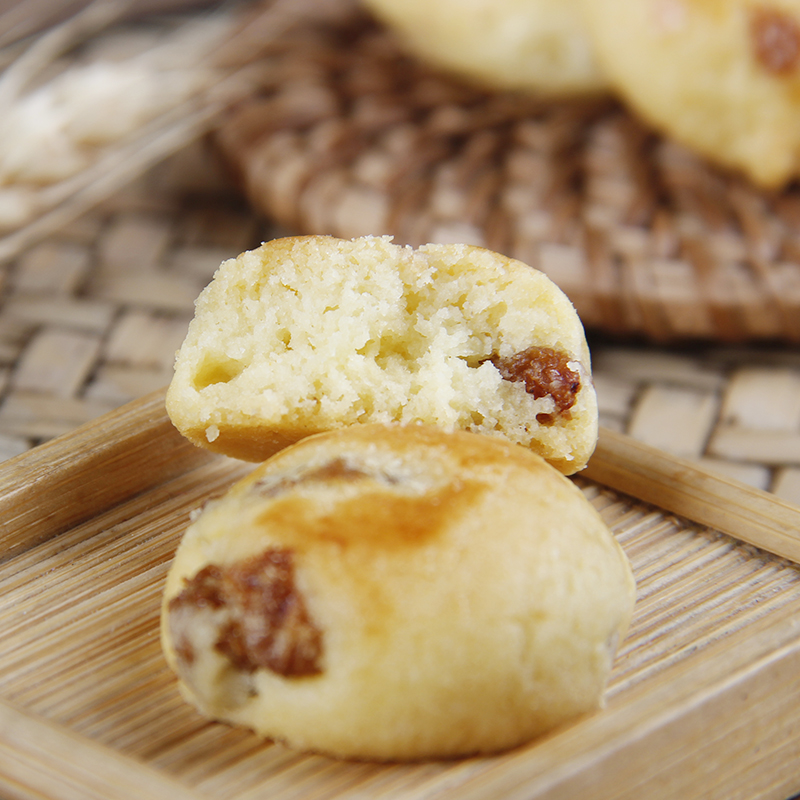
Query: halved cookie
{"x": 306, "y": 334}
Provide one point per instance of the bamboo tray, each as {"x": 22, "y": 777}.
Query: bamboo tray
{"x": 704, "y": 700}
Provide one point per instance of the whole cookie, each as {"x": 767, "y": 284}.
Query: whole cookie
{"x": 722, "y": 78}
{"x": 397, "y": 592}
{"x": 537, "y": 46}
{"x": 312, "y": 333}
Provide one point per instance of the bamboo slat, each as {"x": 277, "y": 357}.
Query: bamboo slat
{"x": 679, "y": 486}
{"x": 63, "y": 481}
{"x": 702, "y": 701}
{"x": 42, "y": 759}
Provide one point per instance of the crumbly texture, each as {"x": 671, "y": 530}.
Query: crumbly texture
{"x": 306, "y": 334}
{"x": 539, "y": 46}
{"x": 397, "y": 592}
{"x": 722, "y": 78}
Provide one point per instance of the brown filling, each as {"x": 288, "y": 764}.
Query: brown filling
{"x": 268, "y": 624}
{"x": 775, "y": 39}
{"x": 545, "y": 373}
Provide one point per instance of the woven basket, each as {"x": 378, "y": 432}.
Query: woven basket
{"x": 347, "y": 135}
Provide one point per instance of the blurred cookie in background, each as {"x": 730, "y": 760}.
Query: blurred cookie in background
{"x": 538, "y": 45}
{"x": 722, "y": 78}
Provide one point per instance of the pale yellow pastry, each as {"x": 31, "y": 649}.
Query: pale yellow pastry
{"x": 721, "y": 77}
{"x": 397, "y": 592}
{"x": 311, "y": 333}
{"x": 532, "y": 45}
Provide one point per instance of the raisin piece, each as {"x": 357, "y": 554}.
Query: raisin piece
{"x": 184, "y": 650}
{"x": 203, "y": 590}
{"x": 545, "y": 373}
{"x": 268, "y": 624}
{"x": 775, "y": 39}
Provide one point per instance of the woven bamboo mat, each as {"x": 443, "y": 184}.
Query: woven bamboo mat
{"x": 91, "y": 316}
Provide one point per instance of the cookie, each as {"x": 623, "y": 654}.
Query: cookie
{"x": 392, "y": 592}
{"x": 721, "y": 78}
{"x": 307, "y": 334}
{"x": 537, "y": 46}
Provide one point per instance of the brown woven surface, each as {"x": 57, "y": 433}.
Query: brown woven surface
{"x": 348, "y": 136}
{"x": 91, "y": 317}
